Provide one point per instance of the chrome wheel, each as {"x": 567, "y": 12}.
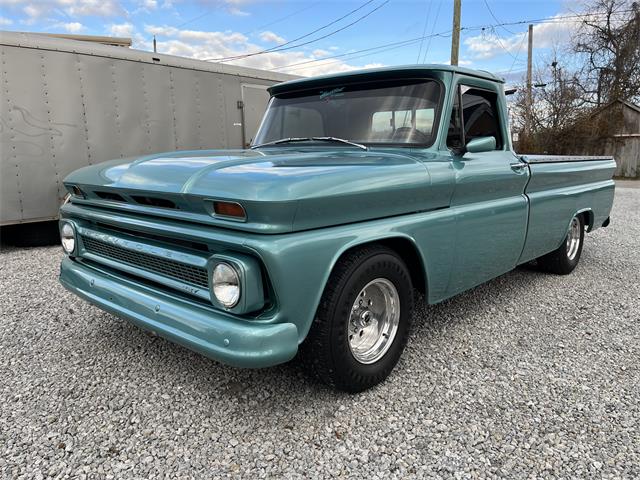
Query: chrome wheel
{"x": 374, "y": 320}
{"x": 573, "y": 239}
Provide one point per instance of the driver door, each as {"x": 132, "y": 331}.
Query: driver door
{"x": 488, "y": 198}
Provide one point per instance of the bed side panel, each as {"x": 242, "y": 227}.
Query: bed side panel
{"x": 559, "y": 190}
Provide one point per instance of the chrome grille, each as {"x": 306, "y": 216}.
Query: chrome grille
{"x": 169, "y": 268}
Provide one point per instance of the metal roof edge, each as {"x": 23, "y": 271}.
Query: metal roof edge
{"x": 354, "y": 74}
{"x": 44, "y": 42}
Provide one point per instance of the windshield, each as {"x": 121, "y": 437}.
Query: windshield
{"x": 398, "y": 113}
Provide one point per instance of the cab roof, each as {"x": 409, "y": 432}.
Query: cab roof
{"x": 383, "y": 73}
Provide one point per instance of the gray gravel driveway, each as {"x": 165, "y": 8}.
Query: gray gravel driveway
{"x": 528, "y": 376}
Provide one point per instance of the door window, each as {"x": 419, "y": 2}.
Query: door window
{"x": 478, "y": 117}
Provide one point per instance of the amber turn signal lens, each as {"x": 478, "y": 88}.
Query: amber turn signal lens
{"x": 229, "y": 209}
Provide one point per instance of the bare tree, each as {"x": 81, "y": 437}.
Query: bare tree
{"x": 558, "y": 103}
{"x": 602, "y": 64}
{"x": 609, "y": 42}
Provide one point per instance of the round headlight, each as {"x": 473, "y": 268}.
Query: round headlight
{"x": 226, "y": 285}
{"x": 68, "y": 238}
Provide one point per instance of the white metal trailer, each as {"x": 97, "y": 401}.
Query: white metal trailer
{"x": 67, "y": 104}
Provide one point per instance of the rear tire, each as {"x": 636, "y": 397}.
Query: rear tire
{"x": 362, "y": 324}
{"x": 565, "y": 258}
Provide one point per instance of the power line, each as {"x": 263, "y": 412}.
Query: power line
{"x": 278, "y": 49}
{"x": 379, "y": 48}
{"x": 209, "y": 11}
{"x": 359, "y": 56}
{"x": 424, "y": 30}
{"x": 202, "y": 15}
{"x": 499, "y": 40}
{"x": 445, "y": 34}
{"x": 494, "y": 16}
{"x": 495, "y": 32}
{"x": 515, "y": 59}
{"x": 282, "y": 19}
{"x": 547, "y": 20}
{"x": 393, "y": 46}
{"x": 433, "y": 27}
{"x": 351, "y": 55}
{"x": 288, "y": 46}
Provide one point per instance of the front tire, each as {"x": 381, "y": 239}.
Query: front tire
{"x": 362, "y": 324}
{"x": 565, "y": 258}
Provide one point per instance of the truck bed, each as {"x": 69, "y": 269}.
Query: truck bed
{"x": 562, "y": 158}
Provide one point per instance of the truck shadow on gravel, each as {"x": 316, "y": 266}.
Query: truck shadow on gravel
{"x": 431, "y": 324}
{"x": 495, "y": 294}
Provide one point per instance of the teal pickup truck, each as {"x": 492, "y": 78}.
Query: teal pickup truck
{"x": 359, "y": 188}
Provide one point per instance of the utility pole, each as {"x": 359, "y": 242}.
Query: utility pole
{"x": 154, "y": 45}
{"x": 455, "y": 35}
{"x": 529, "y": 99}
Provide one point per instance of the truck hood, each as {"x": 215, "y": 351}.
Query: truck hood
{"x": 282, "y": 190}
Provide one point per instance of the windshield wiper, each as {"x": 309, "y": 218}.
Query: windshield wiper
{"x": 311, "y": 139}
{"x": 282, "y": 140}
{"x": 340, "y": 140}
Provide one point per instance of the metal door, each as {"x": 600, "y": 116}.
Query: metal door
{"x": 254, "y": 103}
{"x": 491, "y": 216}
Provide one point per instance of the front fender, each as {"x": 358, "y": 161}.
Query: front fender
{"x": 300, "y": 264}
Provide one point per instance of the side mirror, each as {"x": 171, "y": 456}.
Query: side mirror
{"x": 481, "y": 144}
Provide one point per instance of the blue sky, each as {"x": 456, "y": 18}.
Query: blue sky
{"x": 214, "y": 29}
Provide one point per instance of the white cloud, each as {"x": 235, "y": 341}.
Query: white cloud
{"x": 36, "y": 9}
{"x": 271, "y": 37}
{"x": 213, "y": 39}
{"x": 145, "y": 6}
{"x": 121, "y": 29}
{"x": 100, "y": 8}
{"x": 5, "y": 21}
{"x": 236, "y": 11}
{"x": 73, "y": 27}
{"x": 215, "y": 45}
{"x": 485, "y": 47}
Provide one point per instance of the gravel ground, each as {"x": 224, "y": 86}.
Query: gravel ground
{"x": 528, "y": 376}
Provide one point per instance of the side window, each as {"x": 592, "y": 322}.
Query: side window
{"x": 480, "y": 115}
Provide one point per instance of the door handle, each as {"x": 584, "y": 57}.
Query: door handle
{"x": 518, "y": 166}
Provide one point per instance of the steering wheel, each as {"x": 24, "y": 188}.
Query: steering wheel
{"x": 410, "y": 135}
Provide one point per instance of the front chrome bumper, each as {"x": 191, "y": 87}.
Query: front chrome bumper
{"x": 215, "y": 334}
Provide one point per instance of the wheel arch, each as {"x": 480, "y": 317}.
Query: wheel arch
{"x": 404, "y": 246}
{"x": 587, "y": 216}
